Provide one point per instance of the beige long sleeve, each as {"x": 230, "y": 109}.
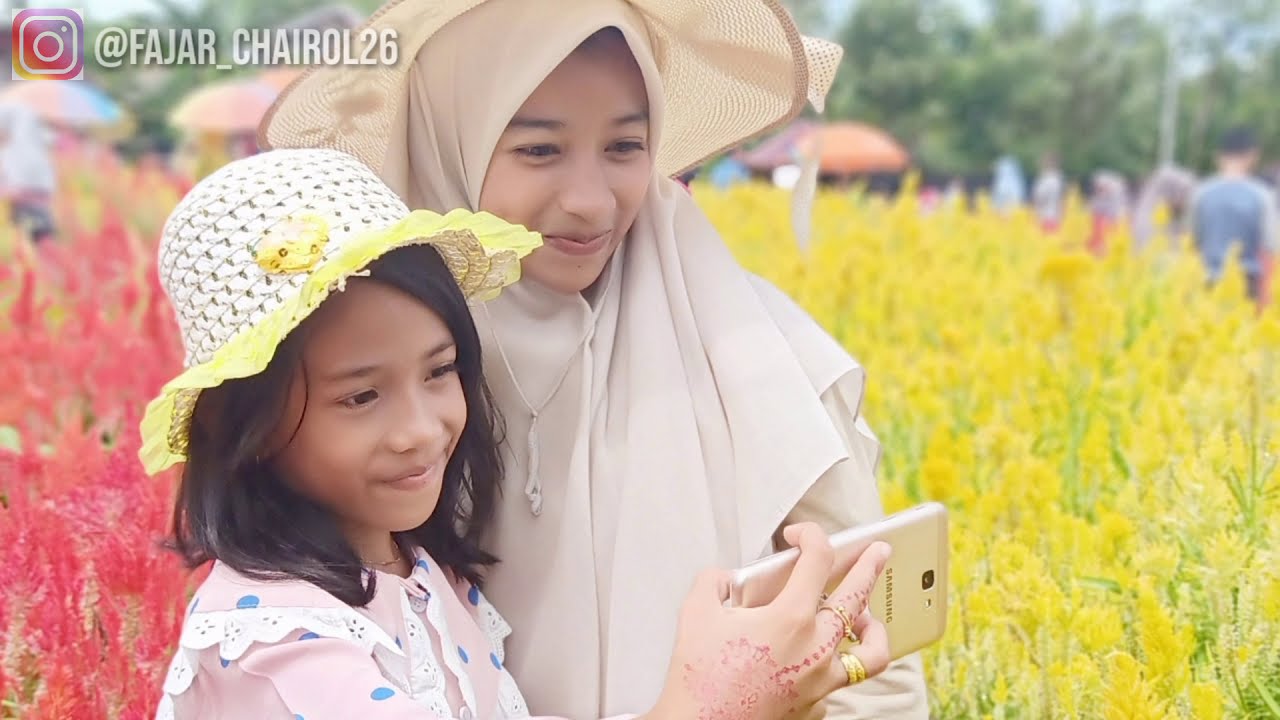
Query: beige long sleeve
{"x": 843, "y": 497}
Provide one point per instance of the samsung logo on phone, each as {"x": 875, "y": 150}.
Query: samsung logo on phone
{"x": 888, "y": 595}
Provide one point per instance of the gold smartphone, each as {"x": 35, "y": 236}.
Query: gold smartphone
{"x": 910, "y": 597}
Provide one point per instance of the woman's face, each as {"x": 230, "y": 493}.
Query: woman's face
{"x": 574, "y": 163}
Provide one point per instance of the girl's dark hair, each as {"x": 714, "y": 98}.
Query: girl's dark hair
{"x": 234, "y": 508}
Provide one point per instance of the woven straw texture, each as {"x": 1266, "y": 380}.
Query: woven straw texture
{"x": 209, "y": 252}
{"x": 731, "y": 70}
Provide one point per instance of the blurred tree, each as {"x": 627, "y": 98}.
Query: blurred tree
{"x": 811, "y": 16}
{"x": 900, "y": 70}
{"x": 1233, "y": 50}
{"x": 961, "y": 88}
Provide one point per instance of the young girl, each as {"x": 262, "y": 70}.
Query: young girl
{"x": 341, "y": 462}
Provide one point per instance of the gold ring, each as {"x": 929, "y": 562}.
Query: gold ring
{"x": 853, "y": 666}
{"x": 845, "y": 620}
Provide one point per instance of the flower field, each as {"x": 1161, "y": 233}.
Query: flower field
{"x": 1103, "y": 430}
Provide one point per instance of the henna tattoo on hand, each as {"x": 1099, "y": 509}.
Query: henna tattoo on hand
{"x": 854, "y": 605}
{"x": 855, "y": 602}
{"x": 745, "y": 678}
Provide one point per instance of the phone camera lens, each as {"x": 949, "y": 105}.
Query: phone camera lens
{"x": 926, "y": 580}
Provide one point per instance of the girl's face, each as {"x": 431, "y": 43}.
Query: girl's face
{"x": 375, "y": 414}
{"x": 574, "y": 164}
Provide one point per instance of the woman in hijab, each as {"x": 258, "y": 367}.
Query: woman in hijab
{"x": 27, "y": 174}
{"x": 665, "y": 410}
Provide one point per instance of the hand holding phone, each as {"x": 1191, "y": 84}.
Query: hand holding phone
{"x": 910, "y": 598}
{"x": 785, "y": 654}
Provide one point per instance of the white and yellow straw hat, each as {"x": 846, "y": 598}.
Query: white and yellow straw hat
{"x": 255, "y": 247}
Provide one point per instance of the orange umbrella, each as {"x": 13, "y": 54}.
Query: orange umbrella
{"x": 230, "y": 106}
{"x": 848, "y": 148}
{"x": 279, "y": 78}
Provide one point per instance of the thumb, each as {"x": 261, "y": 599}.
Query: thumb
{"x": 710, "y": 591}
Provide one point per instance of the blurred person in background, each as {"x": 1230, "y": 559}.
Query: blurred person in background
{"x": 1234, "y": 207}
{"x": 1049, "y": 194}
{"x": 1109, "y": 205}
{"x": 1163, "y": 206}
{"x": 27, "y": 176}
{"x": 1008, "y": 187}
{"x": 956, "y": 195}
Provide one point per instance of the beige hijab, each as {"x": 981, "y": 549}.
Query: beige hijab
{"x": 668, "y": 426}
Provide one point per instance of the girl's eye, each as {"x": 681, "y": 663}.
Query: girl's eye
{"x": 629, "y": 146}
{"x": 360, "y": 399}
{"x": 538, "y": 151}
{"x": 443, "y": 370}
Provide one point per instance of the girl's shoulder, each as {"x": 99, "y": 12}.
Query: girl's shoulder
{"x": 227, "y": 589}
{"x": 231, "y": 612}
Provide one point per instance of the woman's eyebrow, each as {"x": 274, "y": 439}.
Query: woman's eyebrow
{"x": 640, "y": 116}
{"x": 538, "y": 123}
{"x": 535, "y": 123}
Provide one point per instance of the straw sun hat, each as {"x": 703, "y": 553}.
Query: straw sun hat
{"x": 255, "y": 247}
{"x": 731, "y": 70}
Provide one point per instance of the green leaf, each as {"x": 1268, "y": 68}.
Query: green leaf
{"x": 1100, "y": 583}
{"x": 1267, "y": 697}
{"x": 10, "y": 439}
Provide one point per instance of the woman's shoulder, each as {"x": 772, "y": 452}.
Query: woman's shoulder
{"x": 823, "y": 358}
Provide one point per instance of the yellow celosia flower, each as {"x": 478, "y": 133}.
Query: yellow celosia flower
{"x": 1104, "y": 431}
{"x": 1206, "y": 702}
{"x": 1128, "y": 695}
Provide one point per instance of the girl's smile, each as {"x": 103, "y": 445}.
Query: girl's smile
{"x": 420, "y": 477}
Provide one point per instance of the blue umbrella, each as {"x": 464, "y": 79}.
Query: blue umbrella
{"x": 69, "y": 104}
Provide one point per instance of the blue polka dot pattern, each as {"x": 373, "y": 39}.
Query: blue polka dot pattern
{"x": 225, "y": 662}
{"x": 463, "y": 654}
{"x": 474, "y": 595}
{"x": 398, "y": 644}
{"x": 493, "y": 657}
{"x": 247, "y": 602}
{"x": 382, "y": 693}
{"x": 423, "y": 564}
{"x": 298, "y": 717}
{"x": 309, "y": 636}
